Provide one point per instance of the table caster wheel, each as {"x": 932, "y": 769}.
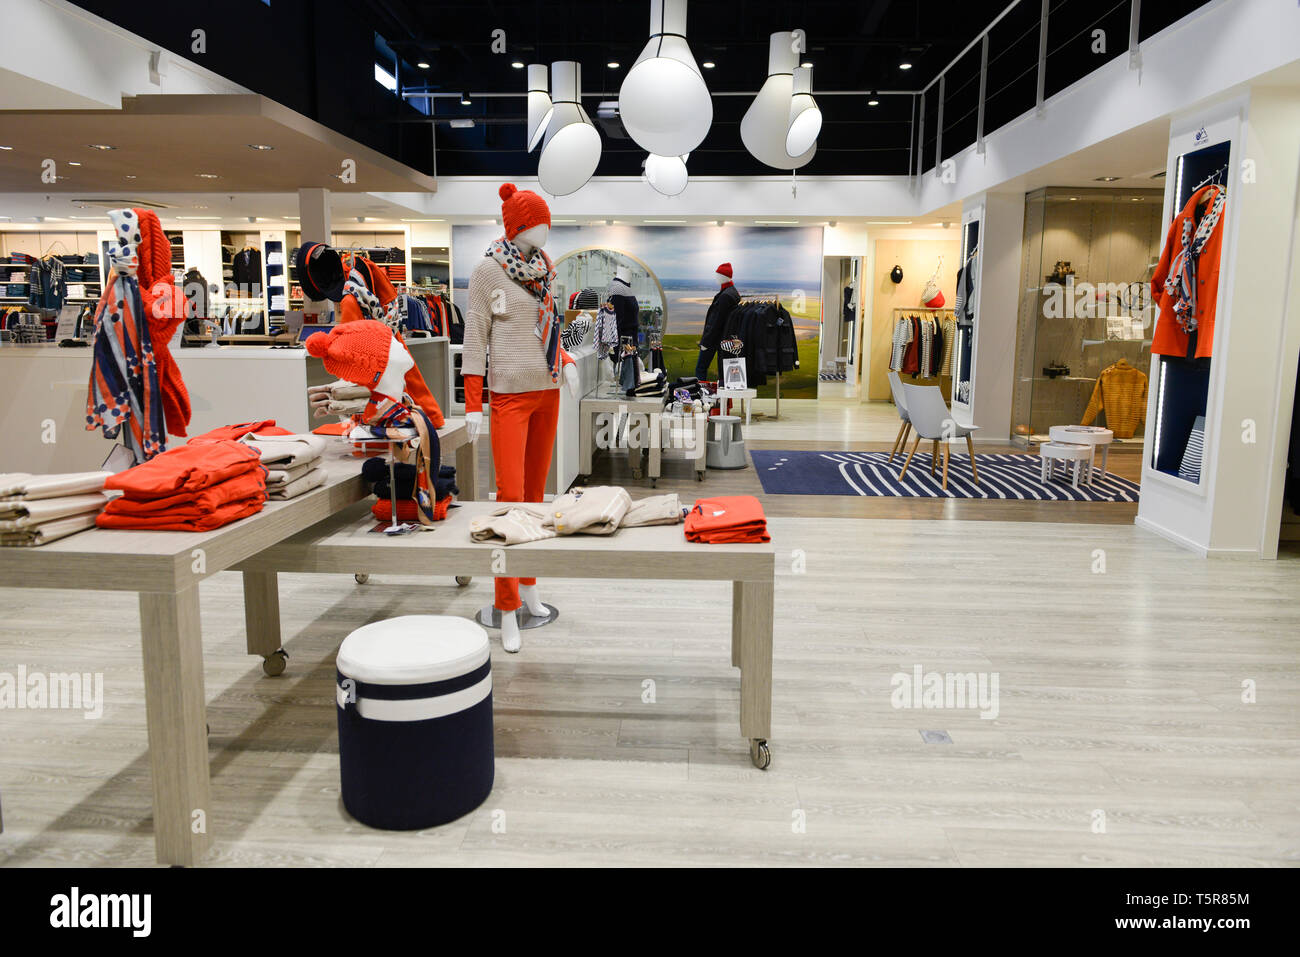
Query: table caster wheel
{"x": 463, "y": 580}
{"x": 361, "y": 578}
{"x": 654, "y": 483}
{"x": 274, "y": 663}
{"x": 636, "y": 474}
{"x": 699, "y": 476}
{"x": 760, "y": 753}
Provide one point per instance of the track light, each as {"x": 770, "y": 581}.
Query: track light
{"x": 465, "y": 100}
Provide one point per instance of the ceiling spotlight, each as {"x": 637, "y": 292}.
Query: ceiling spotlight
{"x": 612, "y": 64}
{"x": 260, "y": 147}
{"x": 518, "y": 64}
{"x": 873, "y": 102}
{"x": 422, "y": 65}
{"x": 539, "y": 104}
{"x": 805, "y": 117}
{"x": 664, "y": 102}
{"x": 905, "y": 65}
{"x": 766, "y": 123}
{"x": 130, "y": 175}
{"x": 667, "y": 174}
{"x": 100, "y": 146}
{"x": 464, "y": 123}
{"x": 199, "y": 175}
{"x": 6, "y": 147}
{"x": 571, "y": 149}
{"x": 1105, "y": 179}
{"x": 708, "y": 64}
{"x": 200, "y": 207}
{"x": 465, "y": 100}
{"x": 806, "y": 65}
{"x": 73, "y": 163}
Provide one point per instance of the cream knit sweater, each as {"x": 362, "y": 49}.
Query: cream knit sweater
{"x": 502, "y": 318}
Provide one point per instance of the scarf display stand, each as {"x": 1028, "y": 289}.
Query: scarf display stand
{"x": 394, "y": 527}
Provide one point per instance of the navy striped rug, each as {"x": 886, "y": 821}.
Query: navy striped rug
{"x": 1004, "y": 476}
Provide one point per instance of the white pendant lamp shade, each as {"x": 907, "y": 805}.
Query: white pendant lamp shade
{"x": 667, "y": 174}
{"x": 539, "y": 104}
{"x": 664, "y": 102}
{"x": 805, "y": 117}
{"x": 766, "y": 123}
{"x": 571, "y": 149}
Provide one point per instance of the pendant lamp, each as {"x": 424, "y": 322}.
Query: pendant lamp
{"x": 571, "y": 149}
{"x": 766, "y": 123}
{"x": 667, "y": 174}
{"x": 664, "y": 101}
{"x": 539, "y": 104}
{"x": 805, "y": 117}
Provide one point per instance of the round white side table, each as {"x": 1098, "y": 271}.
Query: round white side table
{"x": 1092, "y": 435}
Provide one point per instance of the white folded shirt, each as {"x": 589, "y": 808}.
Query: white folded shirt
{"x": 19, "y": 515}
{"x": 23, "y": 486}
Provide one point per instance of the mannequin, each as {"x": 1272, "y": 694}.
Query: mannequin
{"x": 715, "y": 320}
{"x": 511, "y": 314}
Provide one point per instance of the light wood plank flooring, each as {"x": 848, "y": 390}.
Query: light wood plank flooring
{"x": 1119, "y": 693}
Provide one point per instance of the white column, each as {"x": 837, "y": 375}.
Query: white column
{"x": 997, "y": 303}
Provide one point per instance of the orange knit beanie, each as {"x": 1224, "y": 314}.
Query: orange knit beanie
{"x": 522, "y": 209}
{"x": 355, "y": 351}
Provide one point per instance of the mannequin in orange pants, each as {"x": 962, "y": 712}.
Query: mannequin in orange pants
{"x": 512, "y": 314}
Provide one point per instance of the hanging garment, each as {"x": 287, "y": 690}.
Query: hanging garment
{"x": 901, "y": 340}
{"x": 246, "y": 270}
{"x": 49, "y": 287}
{"x": 1121, "y": 391}
{"x": 1190, "y": 466}
{"x": 606, "y": 337}
{"x": 626, "y": 308}
{"x": 949, "y": 333}
{"x": 1185, "y": 284}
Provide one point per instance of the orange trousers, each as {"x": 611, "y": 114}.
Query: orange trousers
{"x": 523, "y": 438}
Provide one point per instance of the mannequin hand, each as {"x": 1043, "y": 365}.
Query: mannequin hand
{"x": 571, "y": 379}
{"x": 473, "y": 424}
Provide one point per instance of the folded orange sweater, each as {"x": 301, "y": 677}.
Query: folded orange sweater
{"x": 406, "y": 510}
{"x": 729, "y": 518}
{"x": 167, "y": 521}
{"x": 187, "y": 468}
{"x": 193, "y": 505}
{"x": 241, "y": 429}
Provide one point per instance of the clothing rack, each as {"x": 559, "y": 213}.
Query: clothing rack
{"x": 1213, "y": 178}
{"x": 937, "y": 313}
{"x": 773, "y": 301}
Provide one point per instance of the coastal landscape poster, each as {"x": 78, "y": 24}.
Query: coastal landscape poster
{"x": 766, "y": 260}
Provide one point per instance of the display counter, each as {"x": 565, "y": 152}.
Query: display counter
{"x": 44, "y": 394}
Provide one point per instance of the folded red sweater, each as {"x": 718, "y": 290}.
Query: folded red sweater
{"x": 193, "y": 505}
{"x": 729, "y": 518}
{"x": 406, "y": 510}
{"x": 187, "y": 468}
{"x": 166, "y": 521}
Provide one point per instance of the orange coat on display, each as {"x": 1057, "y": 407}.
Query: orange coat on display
{"x": 1170, "y": 338}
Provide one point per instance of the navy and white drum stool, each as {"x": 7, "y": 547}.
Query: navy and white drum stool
{"x": 415, "y": 721}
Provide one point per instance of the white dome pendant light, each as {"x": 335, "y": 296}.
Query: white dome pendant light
{"x": 805, "y": 117}
{"x": 571, "y": 150}
{"x": 667, "y": 174}
{"x": 766, "y": 123}
{"x": 664, "y": 101}
{"x": 539, "y": 104}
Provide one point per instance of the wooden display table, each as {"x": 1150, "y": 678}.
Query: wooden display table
{"x": 645, "y": 427}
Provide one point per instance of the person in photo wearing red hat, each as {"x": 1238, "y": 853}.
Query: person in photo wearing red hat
{"x": 715, "y": 320}
{"x": 513, "y": 314}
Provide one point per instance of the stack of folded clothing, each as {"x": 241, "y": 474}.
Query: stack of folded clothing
{"x": 729, "y": 518}
{"x": 338, "y": 398}
{"x": 194, "y": 488}
{"x": 601, "y": 510}
{"x": 238, "y": 431}
{"x": 375, "y": 474}
{"x": 36, "y": 509}
{"x": 292, "y": 462}
{"x": 652, "y": 382}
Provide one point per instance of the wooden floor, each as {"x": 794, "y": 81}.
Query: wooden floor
{"x": 1120, "y": 707}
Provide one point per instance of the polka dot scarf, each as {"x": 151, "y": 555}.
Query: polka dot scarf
{"x": 536, "y": 275}
{"x": 124, "y": 385}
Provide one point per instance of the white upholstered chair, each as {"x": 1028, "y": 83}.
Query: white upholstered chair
{"x": 931, "y": 419}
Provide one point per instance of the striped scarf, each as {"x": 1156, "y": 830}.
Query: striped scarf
{"x": 358, "y": 287}
{"x": 385, "y": 418}
{"x": 1181, "y": 283}
{"x": 535, "y": 275}
{"x": 124, "y": 387}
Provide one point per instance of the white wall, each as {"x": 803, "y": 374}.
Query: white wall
{"x": 998, "y": 293}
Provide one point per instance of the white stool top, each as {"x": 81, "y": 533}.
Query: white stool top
{"x": 1064, "y": 450}
{"x": 1081, "y": 434}
{"x": 724, "y": 418}
{"x": 413, "y": 649}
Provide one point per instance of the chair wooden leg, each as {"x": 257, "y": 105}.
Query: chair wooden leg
{"x": 898, "y": 440}
{"x": 970, "y": 447}
{"x": 947, "y": 454}
{"x": 915, "y": 446}
{"x": 934, "y": 457}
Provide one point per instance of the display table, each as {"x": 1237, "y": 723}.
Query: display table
{"x": 165, "y": 568}
{"x": 1092, "y": 435}
{"x": 1052, "y": 452}
{"x": 744, "y": 396}
{"x": 642, "y": 408}
{"x": 343, "y": 545}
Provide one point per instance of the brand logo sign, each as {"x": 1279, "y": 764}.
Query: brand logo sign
{"x": 1201, "y": 136}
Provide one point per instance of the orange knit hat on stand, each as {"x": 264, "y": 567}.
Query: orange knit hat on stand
{"x": 354, "y": 351}
{"x": 522, "y": 209}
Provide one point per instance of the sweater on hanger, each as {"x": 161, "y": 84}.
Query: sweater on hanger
{"x": 1121, "y": 391}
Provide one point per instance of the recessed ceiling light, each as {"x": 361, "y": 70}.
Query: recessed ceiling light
{"x": 6, "y": 147}
{"x": 100, "y": 146}
{"x": 666, "y": 222}
{"x": 260, "y": 146}
{"x": 873, "y": 102}
{"x": 207, "y": 175}
{"x": 73, "y": 163}
{"x": 1105, "y": 179}
{"x": 200, "y": 207}
{"x": 1074, "y": 199}
{"x": 518, "y": 64}
{"x": 806, "y": 64}
{"x": 130, "y": 175}
{"x": 424, "y": 220}
{"x": 1137, "y": 199}
{"x": 777, "y": 222}
{"x": 708, "y": 64}
{"x": 905, "y": 65}
{"x": 422, "y": 65}
{"x": 612, "y": 64}
{"x": 889, "y": 222}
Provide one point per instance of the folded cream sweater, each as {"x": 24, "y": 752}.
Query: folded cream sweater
{"x": 502, "y": 318}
